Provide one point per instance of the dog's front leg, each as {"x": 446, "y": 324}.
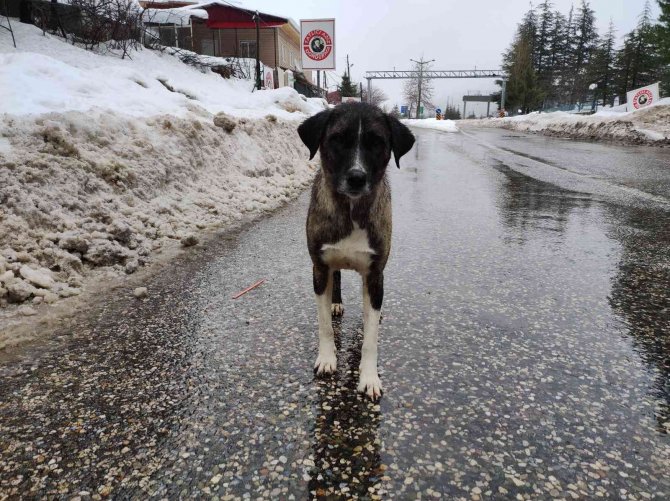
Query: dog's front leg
{"x": 326, "y": 362}
{"x": 373, "y": 295}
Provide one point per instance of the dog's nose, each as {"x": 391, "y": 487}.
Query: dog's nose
{"x": 356, "y": 179}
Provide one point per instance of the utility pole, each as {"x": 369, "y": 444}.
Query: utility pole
{"x": 420, "y": 63}
{"x": 348, "y": 67}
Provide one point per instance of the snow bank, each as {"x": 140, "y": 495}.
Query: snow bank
{"x": 431, "y": 123}
{"x": 104, "y": 162}
{"x": 46, "y": 74}
{"x": 83, "y": 190}
{"x": 646, "y": 126}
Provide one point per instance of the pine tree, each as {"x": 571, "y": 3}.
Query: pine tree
{"x": 347, "y": 88}
{"x": 566, "y": 50}
{"x": 543, "y": 38}
{"x": 639, "y": 62}
{"x": 522, "y": 87}
{"x": 543, "y": 49}
{"x": 395, "y": 111}
{"x": 664, "y": 25}
{"x": 451, "y": 112}
{"x": 663, "y": 37}
{"x": 601, "y": 67}
{"x": 586, "y": 40}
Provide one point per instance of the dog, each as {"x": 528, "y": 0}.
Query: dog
{"x": 349, "y": 220}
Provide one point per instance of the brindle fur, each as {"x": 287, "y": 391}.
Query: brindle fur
{"x": 331, "y": 218}
{"x": 351, "y": 192}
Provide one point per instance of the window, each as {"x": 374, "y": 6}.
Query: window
{"x": 247, "y": 49}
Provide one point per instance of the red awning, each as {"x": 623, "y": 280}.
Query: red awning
{"x": 222, "y": 16}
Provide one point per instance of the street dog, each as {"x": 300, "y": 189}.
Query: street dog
{"x": 349, "y": 220}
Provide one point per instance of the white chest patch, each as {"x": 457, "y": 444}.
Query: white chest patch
{"x": 350, "y": 253}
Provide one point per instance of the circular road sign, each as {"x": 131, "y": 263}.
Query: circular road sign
{"x": 642, "y": 98}
{"x": 317, "y": 45}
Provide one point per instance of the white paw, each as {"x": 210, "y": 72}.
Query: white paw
{"x": 337, "y": 309}
{"x": 326, "y": 362}
{"x": 370, "y": 384}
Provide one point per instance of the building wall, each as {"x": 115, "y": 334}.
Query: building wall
{"x": 226, "y": 42}
{"x": 289, "y": 51}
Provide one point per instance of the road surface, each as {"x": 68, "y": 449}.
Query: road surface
{"x": 524, "y": 351}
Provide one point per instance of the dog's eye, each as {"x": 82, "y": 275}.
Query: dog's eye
{"x": 374, "y": 140}
{"x": 339, "y": 139}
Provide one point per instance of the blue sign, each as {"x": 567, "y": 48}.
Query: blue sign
{"x": 403, "y": 109}
{"x": 438, "y": 111}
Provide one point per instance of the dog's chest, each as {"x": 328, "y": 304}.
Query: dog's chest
{"x": 351, "y": 253}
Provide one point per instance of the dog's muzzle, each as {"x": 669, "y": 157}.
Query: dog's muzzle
{"x": 355, "y": 183}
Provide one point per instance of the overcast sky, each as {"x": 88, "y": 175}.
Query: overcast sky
{"x": 458, "y": 34}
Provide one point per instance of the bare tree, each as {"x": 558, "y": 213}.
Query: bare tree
{"x": 410, "y": 91}
{"x": 377, "y": 95}
{"x": 112, "y": 24}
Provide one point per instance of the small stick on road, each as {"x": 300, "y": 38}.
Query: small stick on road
{"x": 251, "y": 287}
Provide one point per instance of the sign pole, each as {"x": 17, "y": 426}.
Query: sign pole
{"x": 258, "y": 43}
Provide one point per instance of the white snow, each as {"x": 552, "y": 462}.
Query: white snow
{"x": 432, "y": 123}
{"x": 46, "y": 74}
{"x": 180, "y": 15}
{"x": 647, "y": 125}
{"x": 101, "y": 166}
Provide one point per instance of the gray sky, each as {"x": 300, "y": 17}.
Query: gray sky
{"x": 458, "y": 34}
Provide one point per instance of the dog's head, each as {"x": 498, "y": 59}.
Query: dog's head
{"x": 356, "y": 141}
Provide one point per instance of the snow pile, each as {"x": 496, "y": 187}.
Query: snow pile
{"x": 83, "y": 190}
{"x": 103, "y": 162}
{"x": 46, "y": 74}
{"x": 431, "y": 123}
{"x": 646, "y": 126}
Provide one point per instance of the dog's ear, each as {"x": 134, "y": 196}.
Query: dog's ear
{"x": 311, "y": 131}
{"x": 402, "y": 139}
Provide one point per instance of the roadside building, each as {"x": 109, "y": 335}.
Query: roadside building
{"x": 217, "y": 28}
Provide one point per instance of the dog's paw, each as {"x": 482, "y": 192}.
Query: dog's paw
{"x": 337, "y": 309}
{"x": 370, "y": 384}
{"x": 326, "y": 363}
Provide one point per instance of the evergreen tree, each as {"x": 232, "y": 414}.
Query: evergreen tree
{"x": 601, "y": 68}
{"x": 543, "y": 37}
{"x": 395, "y": 111}
{"x": 663, "y": 37}
{"x": 556, "y": 60}
{"x": 347, "y": 88}
{"x": 522, "y": 87}
{"x": 639, "y": 62}
{"x": 585, "y": 44}
{"x": 451, "y": 112}
{"x": 543, "y": 50}
{"x": 664, "y": 28}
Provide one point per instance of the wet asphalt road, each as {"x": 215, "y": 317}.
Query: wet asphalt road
{"x": 524, "y": 350}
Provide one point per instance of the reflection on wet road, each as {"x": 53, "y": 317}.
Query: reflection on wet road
{"x": 525, "y": 351}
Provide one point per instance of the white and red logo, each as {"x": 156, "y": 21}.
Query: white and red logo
{"x": 317, "y": 45}
{"x": 642, "y": 98}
